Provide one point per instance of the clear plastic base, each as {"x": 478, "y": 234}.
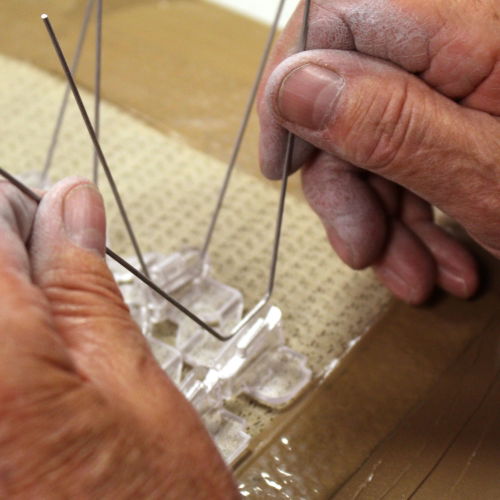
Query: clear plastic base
{"x": 255, "y": 362}
{"x": 34, "y": 180}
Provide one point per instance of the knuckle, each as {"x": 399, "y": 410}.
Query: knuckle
{"x": 384, "y": 131}
{"x": 83, "y": 293}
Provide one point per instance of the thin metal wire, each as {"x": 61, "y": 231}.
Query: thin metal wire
{"x": 120, "y": 260}
{"x": 165, "y": 295}
{"x": 281, "y": 205}
{"x": 64, "y": 103}
{"x": 19, "y": 185}
{"x": 97, "y": 86}
{"x": 241, "y": 132}
{"x": 277, "y": 237}
{"x": 305, "y": 26}
{"x": 144, "y": 277}
{"x": 97, "y": 146}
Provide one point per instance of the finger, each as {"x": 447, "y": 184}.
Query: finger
{"x": 352, "y": 215}
{"x": 272, "y": 149}
{"x": 28, "y": 345}
{"x": 108, "y": 349}
{"x": 407, "y": 267}
{"x": 456, "y": 268}
{"x": 388, "y": 193}
{"x": 67, "y": 253}
{"x": 273, "y": 138}
{"x": 16, "y": 217}
{"x": 421, "y": 37}
{"x": 373, "y": 115}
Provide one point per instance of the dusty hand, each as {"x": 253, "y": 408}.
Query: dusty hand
{"x": 85, "y": 411}
{"x": 397, "y": 110}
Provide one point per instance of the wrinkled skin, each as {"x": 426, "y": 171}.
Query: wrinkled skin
{"x": 85, "y": 411}
{"x": 396, "y": 109}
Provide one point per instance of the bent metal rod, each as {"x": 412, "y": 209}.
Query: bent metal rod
{"x": 144, "y": 277}
{"x": 35, "y": 197}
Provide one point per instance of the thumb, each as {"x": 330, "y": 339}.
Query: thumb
{"x": 378, "y": 117}
{"x": 109, "y": 351}
{"x": 67, "y": 254}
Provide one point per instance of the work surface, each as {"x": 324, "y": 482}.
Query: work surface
{"x": 413, "y": 409}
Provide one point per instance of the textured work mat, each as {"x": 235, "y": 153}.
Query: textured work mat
{"x": 170, "y": 190}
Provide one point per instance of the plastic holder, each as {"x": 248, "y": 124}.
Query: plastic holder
{"x": 228, "y": 433}
{"x": 228, "y": 430}
{"x": 217, "y": 304}
{"x": 170, "y": 272}
{"x": 168, "y": 357}
{"x": 34, "y": 179}
{"x": 255, "y": 362}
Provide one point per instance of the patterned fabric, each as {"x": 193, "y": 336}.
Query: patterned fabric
{"x": 170, "y": 191}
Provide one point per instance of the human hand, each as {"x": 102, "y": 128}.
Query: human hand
{"x": 85, "y": 410}
{"x": 397, "y": 110}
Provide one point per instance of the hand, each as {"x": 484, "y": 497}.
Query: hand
{"x": 396, "y": 107}
{"x": 85, "y": 411}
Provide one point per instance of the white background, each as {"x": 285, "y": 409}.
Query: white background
{"x": 262, "y": 10}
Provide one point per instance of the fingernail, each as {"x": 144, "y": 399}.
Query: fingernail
{"x": 308, "y": 94}
{"x": 452, "y": 277}
{"x": 340, "y": 239}
{"x": 84, "y": 218}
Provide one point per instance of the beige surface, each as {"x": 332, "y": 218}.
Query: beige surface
{"x": 170, "y": 189}
{"x": 179, "y": 65}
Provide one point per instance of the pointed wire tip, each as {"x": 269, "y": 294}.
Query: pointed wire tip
{"x": 44, "y": 16}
